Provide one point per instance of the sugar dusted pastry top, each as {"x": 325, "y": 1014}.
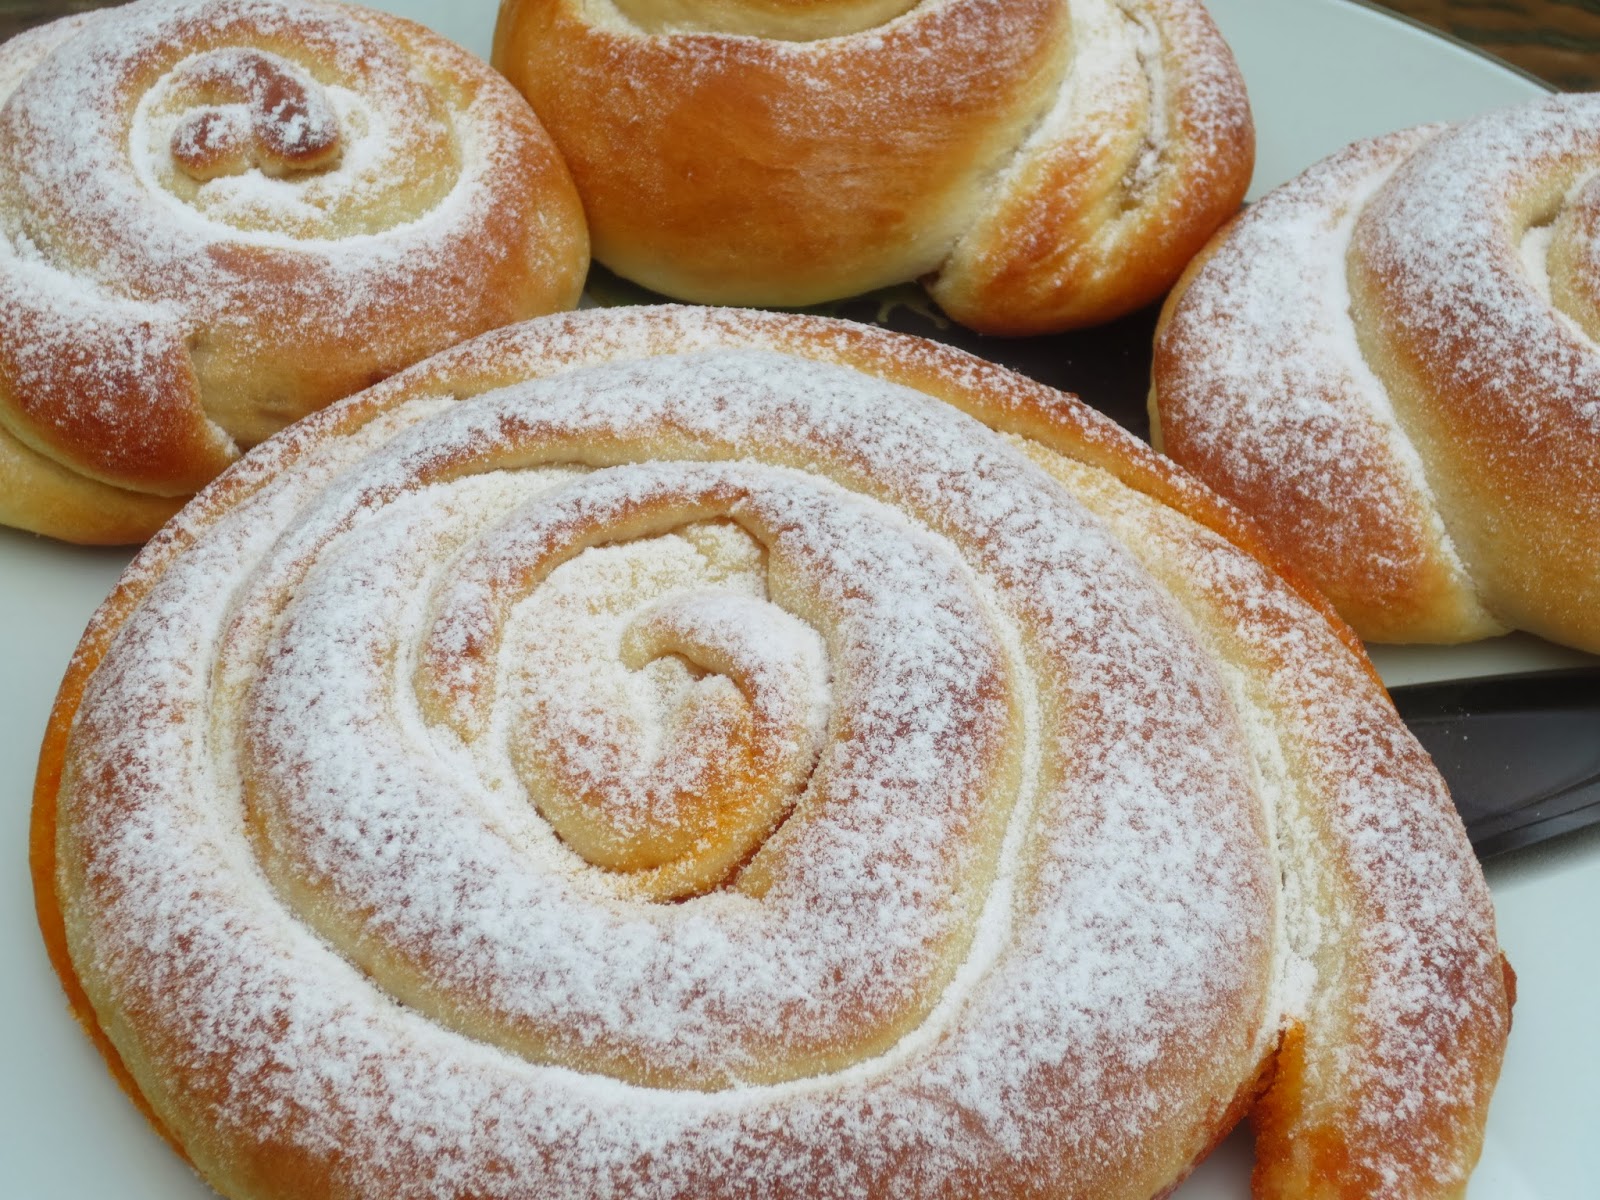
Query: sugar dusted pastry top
{"x": 219, "y": 215}
{"x": 393, "y": 838}
{"x": 1391, "y": 361}
{"x": 1041, "y": 164}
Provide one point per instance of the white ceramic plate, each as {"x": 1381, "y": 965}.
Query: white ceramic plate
{"x": 1321, "y": 73}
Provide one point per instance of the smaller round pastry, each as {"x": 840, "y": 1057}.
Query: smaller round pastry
{"x": 217, "y": 216}
{"x": 1391, "y": 362}
{"x": 1040, "y": 164}
{"x": 693, "y": 754}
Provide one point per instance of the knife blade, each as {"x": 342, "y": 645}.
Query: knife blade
{"x": 1521, "y": 753}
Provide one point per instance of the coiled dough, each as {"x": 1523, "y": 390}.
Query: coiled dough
{"x": 1043, "y": 164}
{"x": 683, "y": 753}
{"x": 219, "y": 215}
{"x": 1391, "y": 362}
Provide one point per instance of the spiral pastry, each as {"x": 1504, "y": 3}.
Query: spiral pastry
{"x": 681, "y": 753}
{"x": 217, "y": 216}
{"x": 1391, "y": 361}
{"x": 1044, "y": 164}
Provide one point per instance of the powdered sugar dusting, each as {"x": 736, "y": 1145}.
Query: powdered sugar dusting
{"x": 1012, "y": 883}
{"x": 1386, "y": 821}
{"x": 1497, "y": 383}
{"x": 1445, "y": 229}
{"x": 339, "y": 188}
{"x": 1160, "y": 60}
{"x": 1143, "y": 150}
{"x": 1265, "y": 392}
{"x": 1392, "y": 360}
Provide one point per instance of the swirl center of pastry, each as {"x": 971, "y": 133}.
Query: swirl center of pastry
{"x": 256, "y": 113}
{"x": 780, "y": 20}
{"x": 277, "y": 147}
{"x": 666, "y": 712}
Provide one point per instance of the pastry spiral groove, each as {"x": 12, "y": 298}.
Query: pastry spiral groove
{"x": 1392, "y": 361}
{"x": 1045, "y": 164}
{"x": 393, "y": 837}
{"x": 219, "y": 215}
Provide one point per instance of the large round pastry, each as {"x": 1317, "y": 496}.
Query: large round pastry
{"x": 687, "y": 753}
{"x": 1043, "y": 164}
{"x": 1391, "y": 362}
{"x": 219, "y": 215}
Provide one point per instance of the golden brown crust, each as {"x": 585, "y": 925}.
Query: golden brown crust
{"x": 1033, "y": 155}
{"x": 38, "y": 493}
{"x": 1389, "y": 361}
{"x": 289, "y": 205}
{"x": 1085, "y": 225}
{"x": 42, "y": 863}
{"x": 732, "y": 170}
{"x": 1402, "y": 1033}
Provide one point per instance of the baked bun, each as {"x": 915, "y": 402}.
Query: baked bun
{"x": 1390, "y": 361}
{"x": 217, "y": 216}
{"x": 688, "y": 753}
{"x": 1045, "y": 163}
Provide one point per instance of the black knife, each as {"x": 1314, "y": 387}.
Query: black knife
{"x": 1521, "y": 753}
